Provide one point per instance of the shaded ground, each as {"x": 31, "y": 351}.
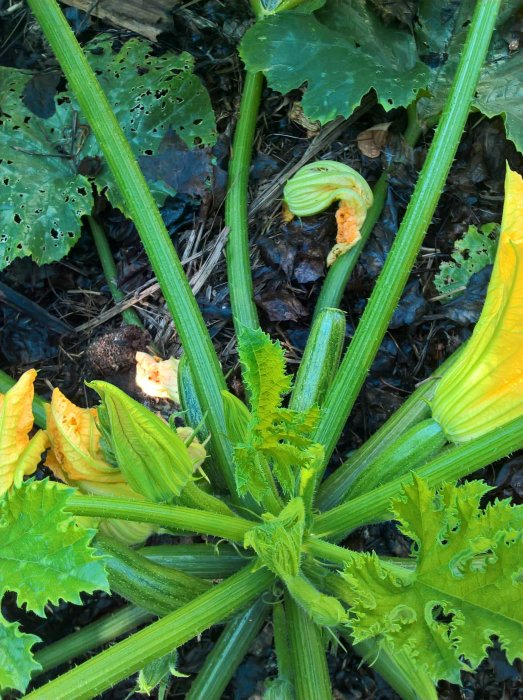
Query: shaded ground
{"x": 288, "y": 270}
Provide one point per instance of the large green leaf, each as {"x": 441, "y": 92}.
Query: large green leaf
{"x": 467, "y": 584}
{"x": 16, "y": 660}
{"x": 43, "y": 193}
{"x": 45, "y": 556}
{"x": 42, "y": 196}
{"x": 500, "y": 92}
{"x": 341, "y": 52}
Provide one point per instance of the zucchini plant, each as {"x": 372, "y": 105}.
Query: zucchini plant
{"x": 126, "y": 472}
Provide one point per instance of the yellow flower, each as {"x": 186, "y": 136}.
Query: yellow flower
{"x": 484, "y": 388}
{"x": 316, "y": 186}
{"x": 77, "y": 459}
{"x": 75, "y": 440}
{"x": 157, "y": 377}
{"x": 19, "y": 455}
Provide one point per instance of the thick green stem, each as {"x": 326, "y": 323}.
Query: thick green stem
{"x": 411, "y": 450}
{"x": 280, "y": 629}
{"x": 146, "y": 216}
{"x": 176, "y": 517}
{"x": 203, "y": 560}
{"x": 450, "y": 465}
{"x": 94, "y": 635}
{"x": 125, "y": 658}
{"x": 236, "y": 216}
{"x": 228, "y": 652}
{"x": 6, "y": 382}
{"x": 416, "y": 408}
{"x": 310, "y": 673}
{"x": 111, "y": 274}
{"x": 153, "y": 587}
{"x": 385, "y": 297}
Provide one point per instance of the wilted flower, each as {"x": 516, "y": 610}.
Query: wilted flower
{"x": 317, "y": 185}
{"x": 156, "y": 377}
{"x": 19, "y": 455}
{"x": 484, "y": 388}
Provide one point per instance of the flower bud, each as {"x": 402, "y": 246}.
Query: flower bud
{"x": 317, "y": 185}
{"x": 152, "y": 457}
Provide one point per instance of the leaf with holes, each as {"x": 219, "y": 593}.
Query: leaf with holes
{"x": 471, "y": 254}
{"x": 150, "y": 96}
{"x": 341, "y": 52}
{"x": 42, "y": 196}
{"x": 48, "y": 165}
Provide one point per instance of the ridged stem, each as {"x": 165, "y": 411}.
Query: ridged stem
{"x": 176, "y": 517}
{"x": 109, "y": 269}
{"x": 310, "y": 672}
{"x": 128, "y": 656}
{"x": 146, "y": 216}
{"x": 386, "y": 294}
{"x": 416, "y": 408}
{"x": 236, "y": 215}
{"x": 203, "y": 560}
{"x": 228, "y": 652}
{"x": 450, "y": 465}
{"x": 94, "y": 635}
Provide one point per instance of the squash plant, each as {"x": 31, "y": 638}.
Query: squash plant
{"x": 419, "y": 620}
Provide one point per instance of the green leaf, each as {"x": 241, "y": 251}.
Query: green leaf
{"x": 500, "y": 92}
{"x": 43, "y": 193}
{"x": 16, "y": 660}
{"x": 466, "y": 587}
{"x": 42, "y": 197}
{"x": 276, "y": 440}
{"x": 263, "y": 364}
{"x": 471, "y": 254}
{"x": 45, "y": 556}
{"x": 341, "y": 52}
{"x": 149, "y": 95}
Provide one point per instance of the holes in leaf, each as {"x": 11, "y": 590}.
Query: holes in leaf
{"x": 439, "y": 615}
{"x": 55, "y": 234}
{"x": 81, "y": 191}
{"x": 148, "y": 152}
{"x": 17, "y": 219}
{"x": 197, "y": 122}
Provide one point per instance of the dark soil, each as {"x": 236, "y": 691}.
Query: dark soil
{"x": 288, "y": 270}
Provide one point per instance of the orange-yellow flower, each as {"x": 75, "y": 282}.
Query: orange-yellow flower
{"x": 484, "y": 388}
{"x": 19, "y": 455}
{"x": 157, "y": 377}
{"x": 77, "y": 459}
{"x": 316, "y": 186}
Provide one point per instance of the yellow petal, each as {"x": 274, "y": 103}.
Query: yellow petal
{"x": 31, "y": 456}
{"x": 75, "y": 440}
{"x": 16, "y": 421}
{"x": 157, "y": 377}
{"x": 484, "y": 388}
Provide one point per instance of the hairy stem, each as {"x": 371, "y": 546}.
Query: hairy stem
{"x": 109, "y": 268}
{"x": 450, "y": 465}
{"x": 176, "y": 517}
{"x": 94, "y": 635}
{"x": 125, "y": 658}
{"x": 385, "y": 297}
{"x": 142, "y": 208}
{"x": 236, "y": 216}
